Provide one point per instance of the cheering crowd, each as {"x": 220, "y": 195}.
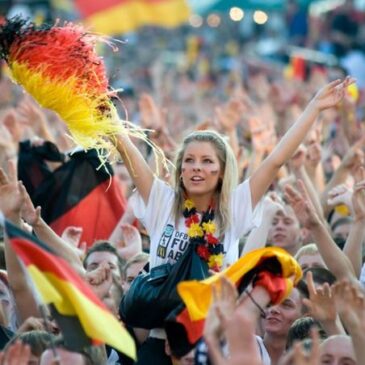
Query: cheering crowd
{"x": 262, "y": 159}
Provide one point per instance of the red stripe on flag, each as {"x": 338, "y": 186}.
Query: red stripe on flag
{"x": 97, "y": 213}
{"x": 194, "y": 329}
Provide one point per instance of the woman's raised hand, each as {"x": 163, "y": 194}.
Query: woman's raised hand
{"x": 331, "y": 94}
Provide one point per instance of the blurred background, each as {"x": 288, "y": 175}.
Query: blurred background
{"x": 174, "y": 48}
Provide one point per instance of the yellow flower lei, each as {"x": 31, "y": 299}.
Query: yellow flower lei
{"x": 188, "y": 204}
{"x": 216, "y": 260}
{"x": 209, "y": 227}
{"x": 195, "y": 230}
{"x": 203, "y": 234}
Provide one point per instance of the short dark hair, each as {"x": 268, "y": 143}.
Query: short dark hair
{"x": 38, "y": 341}
{"x": 304, "y": 293}
{"x": 301, "y": 329}
{"x": 303, "y": 288}
{"x": 321, "y": 275}
{"x": 104, "y": 246}
{"x": 139, "y": 257}
{"x": 93, "y": 355}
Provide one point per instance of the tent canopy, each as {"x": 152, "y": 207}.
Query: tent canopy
{"x": 206, "y": 6}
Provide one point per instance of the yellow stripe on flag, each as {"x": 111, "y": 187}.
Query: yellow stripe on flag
{"x": 98, "y": 323}
{"x": 197, "y": 295}
{"x": 131, "y": 15}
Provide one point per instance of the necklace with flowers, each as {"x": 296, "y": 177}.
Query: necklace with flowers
{"x": 201, "y": 233}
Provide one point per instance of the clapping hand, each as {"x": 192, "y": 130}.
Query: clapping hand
{"x": 224, "y": 303}
{"x": 340, "y": 194}
{"x": 302, "y": 206}
{"x": 72, "y": 235}
{"x": 236, "y": 326}
{"x": 12, "y": 193}
{"x": 349, "y": 301}
{"x": 320, "y": 302}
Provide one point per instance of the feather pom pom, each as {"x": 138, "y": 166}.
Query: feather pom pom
{"x": 59, "y": 67}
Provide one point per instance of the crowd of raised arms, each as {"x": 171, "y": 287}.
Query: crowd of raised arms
{"x": 259, "y": 160}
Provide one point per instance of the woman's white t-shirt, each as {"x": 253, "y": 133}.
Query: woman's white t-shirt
{"x": 169, "y": 242}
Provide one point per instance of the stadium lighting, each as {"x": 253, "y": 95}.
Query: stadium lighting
{"x": 236, "y": 14}
{"x": 195, "y": 20}
{"x": 260, "y": 17}
{"x": 213, "y": 20}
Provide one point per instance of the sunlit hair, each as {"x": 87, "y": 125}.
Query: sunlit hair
{"x": 309, "y": 249}
{"x": 136, "y": 259}
{"x": 224, "y": 189}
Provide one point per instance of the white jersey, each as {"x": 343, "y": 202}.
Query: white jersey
{"x": 169, "y": 242}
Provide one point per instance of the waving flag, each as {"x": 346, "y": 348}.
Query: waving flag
{"x": 75, "y": 194}
{"x": 121, "y": 16}
{"x": 184, "y": 326}
{"x": 72, "y": 298}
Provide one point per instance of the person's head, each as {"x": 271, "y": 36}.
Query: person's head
{"x": 92, "y": 355}
{"x": 340, "y": 230}
{"x": 65, "y": 357}
{"x": 206, "y": 166}
{"x": 103, "y": 252}
{"x": 285, "y": 231}
{"x": 337, "y": 350}
{"x": 321, "y": 275}
{"x": 132, "y": 268}
{"x": 308, "y": 257}
{"x": 301, "y": 330}
{"x": 280, "y": 317}
{"x": 38, "y": 342}
{"x": 187, "y": 359}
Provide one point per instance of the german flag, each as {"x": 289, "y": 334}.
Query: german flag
{"x": 184, "y": 326}
{"x": 60, "y": 286}
{"x": 122, "y": 16}
{"x": 75, "y": 194}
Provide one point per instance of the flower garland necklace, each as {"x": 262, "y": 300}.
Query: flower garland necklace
{"x": 201, "y": 232}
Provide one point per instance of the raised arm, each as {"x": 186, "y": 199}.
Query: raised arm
{"x": 335, "y": 259}
{"x": 327, "y": 97}
{"x": 138, "y": 168}
{"x": 228, "y": 116}
{"x": 350, "y": 163}
{"x": 296, "y": 164}
{"x": 258, "y": 236}
{"x": 11, "y": 200}
{"x": 350, "y": 304}
{"x": 354, "y": 243}
{"x": 44, "y": 232}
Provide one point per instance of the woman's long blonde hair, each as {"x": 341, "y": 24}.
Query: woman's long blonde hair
{"x": 229, "y": 181}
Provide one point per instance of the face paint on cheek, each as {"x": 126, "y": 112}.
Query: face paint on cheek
{"x": 214, "y": 172}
